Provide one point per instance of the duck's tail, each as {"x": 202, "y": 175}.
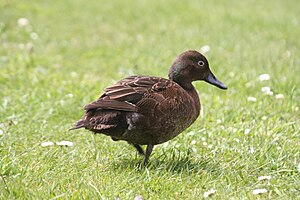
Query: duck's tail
{"x": 79, "y": 124}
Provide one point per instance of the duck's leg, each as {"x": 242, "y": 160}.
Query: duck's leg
{"x": 139, "y": 149}
{"x": 148, "y": 152}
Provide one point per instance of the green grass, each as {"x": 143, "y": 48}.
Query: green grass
{"x": 71, "y": 50}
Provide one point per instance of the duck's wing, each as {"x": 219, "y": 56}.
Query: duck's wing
{"x": 164, "y": 98}
{"x": 127, "y": 92}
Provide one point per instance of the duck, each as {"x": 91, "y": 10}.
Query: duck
{"x": 149, "y": 110}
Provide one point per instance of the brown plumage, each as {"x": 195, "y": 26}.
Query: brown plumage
{"x": 146, "y": 110}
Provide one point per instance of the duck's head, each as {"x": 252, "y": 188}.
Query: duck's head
{"x": 192, "y": 66}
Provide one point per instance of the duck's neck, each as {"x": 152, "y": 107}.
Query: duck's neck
{"x": 190, "y": 89}
{"x": 194, "y": 94}
{"x": 185, "y": 85}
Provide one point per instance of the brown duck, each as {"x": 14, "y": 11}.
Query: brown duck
{"x": 146, "y": 110}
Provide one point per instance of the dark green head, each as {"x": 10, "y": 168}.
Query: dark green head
{"x": 192, "y": 66}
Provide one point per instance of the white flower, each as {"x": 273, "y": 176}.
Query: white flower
{"x": 264, "y": 178}
{"x": 248, "y": 84}
{"x": 279, "y": 96}
{"x": 270, "y": 93}
{"x": 247, "y": 131}
{"x": 264, "y": 118}
{"x": 70, "y": 95}
{"x": 264, "y": 77}
{"x": 46, "y": 144}
{"x": 65, "y": 143}
{"x": 251, "y": 150}
{"x": 251, "y": 99}
{"x": 260, "y": 191}
{"x": 299, "y": 167}
{"x": 209, "y": 193}
{"x": 139, "y": 197}
{"x": 205, "y": 49}
{"x": 74, "y": 74}
{"x": 22, "y": 22}
{"x": 193, "y": 142}
{"x": 237, "y": 140}
{"x": 232, "y": 129}
{"x": 278, "y": 148}
{"x": 34, "y": 36}
{"x": 1, "y": 132}
{"x": 267, "y": 91}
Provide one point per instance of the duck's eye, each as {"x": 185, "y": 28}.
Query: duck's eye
{"x": 201, "y": 63}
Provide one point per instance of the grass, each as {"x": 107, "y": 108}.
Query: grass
{"x": 71, "y": 50}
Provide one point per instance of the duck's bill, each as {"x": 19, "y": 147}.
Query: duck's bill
{"x": 214, "y": 81}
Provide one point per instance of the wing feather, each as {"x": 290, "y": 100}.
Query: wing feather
{"x": 127, "y": 92}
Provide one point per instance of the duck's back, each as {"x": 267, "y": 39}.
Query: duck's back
{"x": 142, "y": 110}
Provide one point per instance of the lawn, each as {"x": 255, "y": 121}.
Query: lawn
{"x": 57, "y": 56}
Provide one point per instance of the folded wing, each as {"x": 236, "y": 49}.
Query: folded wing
{"x": 124, "y": 95}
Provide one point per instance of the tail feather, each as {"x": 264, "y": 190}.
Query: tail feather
{"x": 79, "y": 124}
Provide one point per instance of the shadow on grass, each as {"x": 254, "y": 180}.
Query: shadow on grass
{"x": 182, "y": 162}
